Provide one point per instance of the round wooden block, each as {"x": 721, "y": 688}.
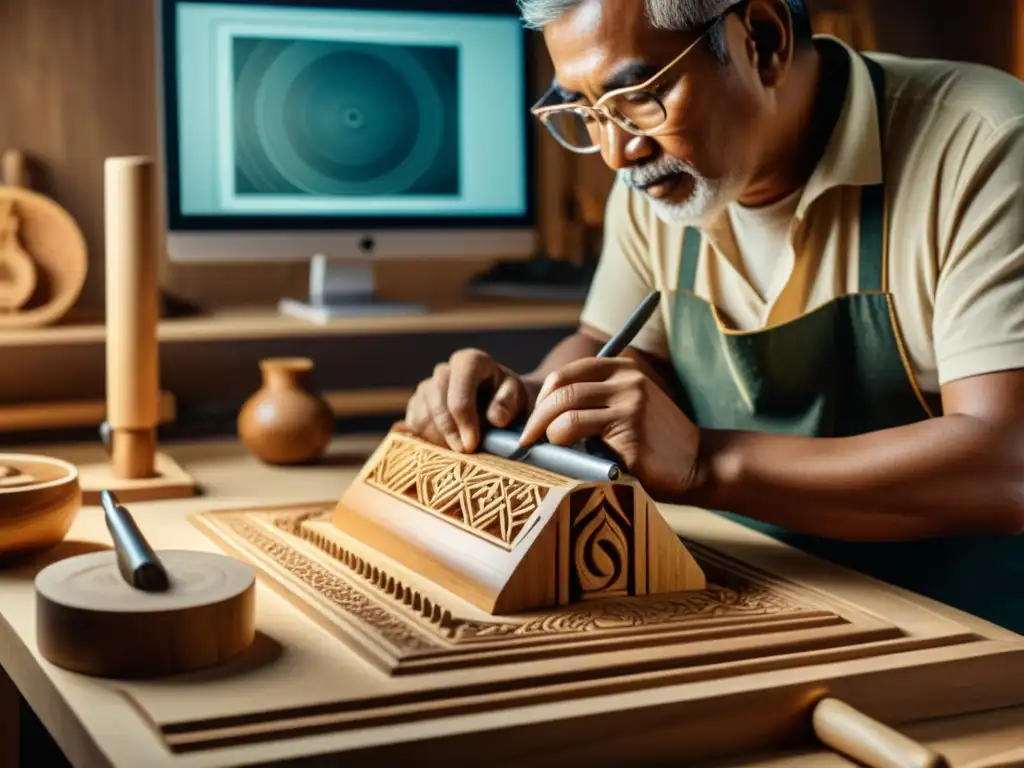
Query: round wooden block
{"x": 89, "y": 620}
{"x": 52, "y": 239}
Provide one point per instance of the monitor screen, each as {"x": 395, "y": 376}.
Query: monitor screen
{"x": 345, "y": 114}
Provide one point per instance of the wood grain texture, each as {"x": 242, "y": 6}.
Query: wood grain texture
{"x": 294, "y": 662}
{"x": 74, "y": 413}
{"x": 132, "y": 257}
{"x": 40, "y": 497}
{"x": 753, "y": 641}
{"x": 168, "y": 481}
{"x": 84, "y": 91}
{"x": 91, "y": 621}
{"x": 256, "y": 323}
{"x": 508, "y": 536}
{"x": 867, "y": 741}
{"x": 41, "y": 244}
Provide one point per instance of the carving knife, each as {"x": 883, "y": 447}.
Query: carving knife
{"x": 615, "y": 346}
{"x": 136, "y": 560}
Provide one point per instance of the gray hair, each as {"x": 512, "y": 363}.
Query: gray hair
{"x": 679, "y": 15}
{"x": 676, "y": 15}
{"x": 663, "y": 14}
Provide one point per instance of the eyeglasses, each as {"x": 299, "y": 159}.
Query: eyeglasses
{"x": 636, "y": 109}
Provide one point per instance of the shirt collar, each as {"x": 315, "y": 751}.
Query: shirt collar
{"x": 853, "y": 156}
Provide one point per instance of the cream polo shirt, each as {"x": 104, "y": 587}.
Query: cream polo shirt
{"x": 954, "y": 173}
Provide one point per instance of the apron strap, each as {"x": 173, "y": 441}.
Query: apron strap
{"x": 688, "y": 264}
{"x": 873, "y": 269}
{"x": 873, "y": 242}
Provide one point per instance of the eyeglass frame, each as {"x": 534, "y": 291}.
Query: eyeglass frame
{"x": 600, "y": 110}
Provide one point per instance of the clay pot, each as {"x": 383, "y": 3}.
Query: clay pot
{"x": 286, "y": 422}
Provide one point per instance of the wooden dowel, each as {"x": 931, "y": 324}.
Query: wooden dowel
{"x": 871, "y": 743}
{"x": 132, "y": 314}
{"x": 133, "y": 452}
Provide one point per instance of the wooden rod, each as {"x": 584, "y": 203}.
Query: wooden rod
{"x": 133, "y": 380}
{"x": 869, "y": 742}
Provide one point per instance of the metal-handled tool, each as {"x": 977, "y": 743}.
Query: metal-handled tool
{"x": 613, "y": 348}
{"x": 136, "y": 560}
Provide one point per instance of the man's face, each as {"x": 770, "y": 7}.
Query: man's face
{"x": 706, "y": 152}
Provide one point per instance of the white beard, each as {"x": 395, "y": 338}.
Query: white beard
{"x": 708, "y": 198}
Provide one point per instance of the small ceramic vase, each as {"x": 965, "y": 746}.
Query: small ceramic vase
{"x": 286, "y": 422}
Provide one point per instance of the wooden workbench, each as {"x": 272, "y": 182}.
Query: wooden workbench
{"x": 95, "y": 726}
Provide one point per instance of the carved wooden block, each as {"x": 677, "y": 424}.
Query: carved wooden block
{"x": 507, "y": 536}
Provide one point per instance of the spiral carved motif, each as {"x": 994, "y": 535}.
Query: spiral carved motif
{"x": 602, "y": 546}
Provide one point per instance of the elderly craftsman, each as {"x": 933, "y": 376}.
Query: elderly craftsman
{"x": 839, "y": 239}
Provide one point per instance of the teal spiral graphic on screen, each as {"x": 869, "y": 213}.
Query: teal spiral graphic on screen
{"x": 339, "y": 118}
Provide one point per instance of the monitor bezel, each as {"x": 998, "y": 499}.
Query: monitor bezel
{"x": 167, "y": 107}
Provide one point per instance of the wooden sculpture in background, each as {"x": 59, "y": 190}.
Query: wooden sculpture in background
{"x": 43, "y": 260}
{"x": 17, "y": 270}
{"x": 136, "y": 471}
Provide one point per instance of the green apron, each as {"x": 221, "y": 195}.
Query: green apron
{"x": 838, "y": 371}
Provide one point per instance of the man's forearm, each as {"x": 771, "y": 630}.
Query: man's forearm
{"x": 955, "y": 475}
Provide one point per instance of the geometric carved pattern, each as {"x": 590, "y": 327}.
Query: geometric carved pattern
{"x": 601, "y": 541}
{"x": 749, "y": 641}
{"x": 410, "y": 624}
{"x": 479, "y": 499}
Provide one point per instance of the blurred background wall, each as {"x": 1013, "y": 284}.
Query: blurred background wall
{"x": 77, "y": 85}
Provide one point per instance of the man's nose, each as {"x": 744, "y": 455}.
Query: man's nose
{"x": 621, "y": 149}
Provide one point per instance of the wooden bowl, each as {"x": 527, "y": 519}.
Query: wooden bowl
{"x": 39, "y": 499}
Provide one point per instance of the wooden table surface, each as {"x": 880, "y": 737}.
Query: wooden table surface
{"x": 95, "y": 726}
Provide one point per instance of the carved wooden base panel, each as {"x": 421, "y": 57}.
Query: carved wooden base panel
{"x": 400, "y": 650}
{"x": 405, "y": 625}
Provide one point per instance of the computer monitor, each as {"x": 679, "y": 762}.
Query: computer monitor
{"x": 338, "y": 131}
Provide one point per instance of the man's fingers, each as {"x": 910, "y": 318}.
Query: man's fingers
{"x": 419, "y": 420}
{"x": 436, "y": 395}
{"x": 507, "y": 403}
{"x": 570, "y": 398}
{"x": 469, "y": 369}
{"x": 584, "y": 369}
{"x": 572, "y": 426}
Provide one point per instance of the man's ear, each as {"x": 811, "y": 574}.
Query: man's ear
{"x": 769, "y": 39}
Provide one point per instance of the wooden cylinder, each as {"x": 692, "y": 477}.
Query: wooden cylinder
{"x": 90, "y": 620}
{"x": 869, "y": 742}
{"x": 132, "y": 266}
{"x": 14, "y": 169}
{"x": 132, "y": 452}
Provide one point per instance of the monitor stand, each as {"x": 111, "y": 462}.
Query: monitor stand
{"x": 343, "y": 289}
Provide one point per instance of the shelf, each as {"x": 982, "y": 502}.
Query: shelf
{"x": 243, "y": 324}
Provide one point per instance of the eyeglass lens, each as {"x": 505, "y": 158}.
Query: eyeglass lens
{"x": 580, "y": 128}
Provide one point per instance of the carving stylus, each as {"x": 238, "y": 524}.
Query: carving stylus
{"x": 136, "y": 560}
{"x": 615, "y": 346}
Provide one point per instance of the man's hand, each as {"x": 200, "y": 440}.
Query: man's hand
{"x": 444, "y": 408}
{"x": 613, "y": 399}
